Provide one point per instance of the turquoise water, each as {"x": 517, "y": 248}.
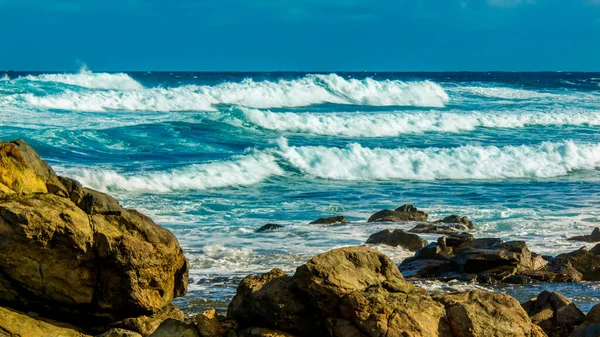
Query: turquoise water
{"x": 213, "y": 156}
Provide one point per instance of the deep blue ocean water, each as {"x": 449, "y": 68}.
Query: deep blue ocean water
{"x": 213, "y": 156}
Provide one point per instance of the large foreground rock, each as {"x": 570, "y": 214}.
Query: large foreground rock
{"x": 554, "y": 313}
{"x": 17, "y": 324}
{"x": 75, "y": 255}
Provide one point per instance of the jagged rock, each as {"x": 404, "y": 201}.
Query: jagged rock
{"x": 176, "y": 328}
{"x": 427, "y": 228}
{"x": 147, "y": 324}
{"x": 23, "y": 172}
{"x": 118, "y": 332}
{"x": 594, "y": 237}
{"x": 590, "y": 326}
{"x": 554, "y": 313}
{"x": 401, "y": 214}
{"x": 208, "y": 324}
{"x": 269, "y": 227}
{"x": 268, "y": 300}
{"x": 74, "y": 189}
{"x": 583, "y": 260}
{"x": 398, "y": 237}
{"x": 329, "y": 221}
{"x": 263, "y": 332}
{"x": 455, "y": 219}
{"x": 484, "y": 314}
{"x": 17, "y": 324}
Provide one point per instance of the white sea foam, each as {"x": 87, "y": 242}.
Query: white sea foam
{"x": 88, "y": 79}
{"x": 5, "y": 78}
{"x": 503, "y": 92}
{"x": 394, "y": 124}
{"x": 247, "y": 170}
{"x": 355, "y": 162}
{"x": 309, "y": 90}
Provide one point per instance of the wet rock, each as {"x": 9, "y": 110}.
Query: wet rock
{"x": 176, "y": 328}
{"x": 329, "y": 221}
{"x": 269, "y": 227}
{"x": 482, "y": 314}
{"x": 554, "y": 313}
{"x": 428, "y": 228}
{"x": 401, "y": 214}
{"x": 398, "y": 237}
{"x": 590, "y": 326}
{"x": 17, "y": 324}
{"x": 208, "y": 324}
{"x": 583, "y": 260}
{"x": 455, "y": 219}
{"x": 594, "y": 237}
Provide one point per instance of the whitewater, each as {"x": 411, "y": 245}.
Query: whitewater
{"x": 213, "y": 156}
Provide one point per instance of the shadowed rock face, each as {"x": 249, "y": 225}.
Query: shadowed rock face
{"x": 594, "y": 237}
{"x": 554, "y": 313}
{"x": 401, "y": 214}
{"x": 75, "y": 254}
{"x": 329, "y": 221}
{"x": 590, "y": 325}
{"x": 397, "y": 238}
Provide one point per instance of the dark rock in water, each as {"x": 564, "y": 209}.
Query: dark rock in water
{"x": 269, "y": 227}
{"x": 583, "y": 260}
{"x": 594, "y": 237}
{"x": 554, "y": 313}
{"x": 455, "y": 219}
{"x": 590, "y": 326}
{"x": 398, "y": 237}
{"x": 427, "y": 228}
{"x": 403, "y": 213}
{"x": 329, "y": 221}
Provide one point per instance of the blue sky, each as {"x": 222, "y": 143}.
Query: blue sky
{"x": 357, "y": 35}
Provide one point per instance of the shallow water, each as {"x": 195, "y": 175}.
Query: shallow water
{"x": 214, "y": 156}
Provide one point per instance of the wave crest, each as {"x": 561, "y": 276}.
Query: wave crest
{"x": 88, "y": 79}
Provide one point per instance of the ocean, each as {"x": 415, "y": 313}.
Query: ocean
{"x": 213, "y": 156}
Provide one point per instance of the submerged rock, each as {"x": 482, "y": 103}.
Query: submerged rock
{"x": 554, "y": 313}
{"x": 594, "y": 237}
{"x": 269, "y": 227}
{"x": 330, "y": 221}
{"x": 401, "y": 214}
{"x": 398, "y": 237}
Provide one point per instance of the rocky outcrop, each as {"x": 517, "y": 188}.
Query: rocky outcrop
{"x": 397, "y": 238}
{"x": 584, "y": 262}
{"x": 401, "y": 214}
{"x": 357, "y": 291}
{"x": 75, "y": 255}
{"x": 17, "y": 324}
{"x": 455, "y": 219}
{"x": 269, "y": 227}
{"x": 554, "y": 313}
{"x": 590, "y": 326}
{"x": 330, "y": 221}
{"x": 594, "y": 237}
{"x": 428, "y": 228}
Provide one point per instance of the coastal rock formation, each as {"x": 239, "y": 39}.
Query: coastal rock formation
{"x": 590, "y": 326}
{"x": 18, "y": 324}
{"x": 594, "y": 237}
{"x": 398, "y": 238}
{"x": 455, "y": 219}
{"x": 583, "y": 261}
{"x": 357, "y": 291}
{"x": 554, "y": 313}
{"x": 75, "y": 255}
{"x": 330, "y": 221}
{"x": 269, "y": 227}
{"x": 428, "y": 228}
{"x": 401, "y": 214}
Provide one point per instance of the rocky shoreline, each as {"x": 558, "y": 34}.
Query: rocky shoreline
{"x": 73, "y": 262}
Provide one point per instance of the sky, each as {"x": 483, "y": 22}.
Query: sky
{"x": 302, "y": 35}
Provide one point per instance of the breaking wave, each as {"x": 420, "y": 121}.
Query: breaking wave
{"x": 87, "y": 79}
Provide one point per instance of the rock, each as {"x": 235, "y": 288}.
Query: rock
{"x": 269, "y": 227}
{"x": 594, "y": 237}
{"x": 583, "y": 260}
{"x": 455, "y": 219}
{"x": 484, "y": 314}
{"x": 94, "y": 202}
{"x": 268, "y": 300}
{"x": 17, "y": 324}
{"x": 398, "y": 237}
{"x": 118, "y": 332}
{"x": 590, "y": 326}
{"x": 176, "y": 328}
{"x": 401, "y": 214}
{"x": 147, "y": 324}
{"x": 554, "y": 313}
{"x": 74, "y": 189}
{"x": 208, "y": 324}
{"x": 329, "y": 221}
{"x": 23, "y": 172}
{"x": 428, "y": 228}
{"x": 263, "y": 332}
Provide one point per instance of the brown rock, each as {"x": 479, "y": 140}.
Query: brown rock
{"x": 208, "y": 324}
{"x": 590, "y": 326}
{"x": 329, "y": 221}
{"x": 263, "y": 332}
{"x": 554, "y": 313}
{"x": 147, "y": 324}
{"x": 175, "y": 328}
{"x": 427, "y": 228}
{"x": 118, "y": 332}
{"x": 398, "y": 237}
{"x": 455, "y": 219}
{"x": 74, "y": 189}
{"x": 401, "y": 214}
{"x": 486, "y": 314}
{"x": 17, "y": 324}
{"x": 582, "y": 260}
{"x": 594, "y": 237}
